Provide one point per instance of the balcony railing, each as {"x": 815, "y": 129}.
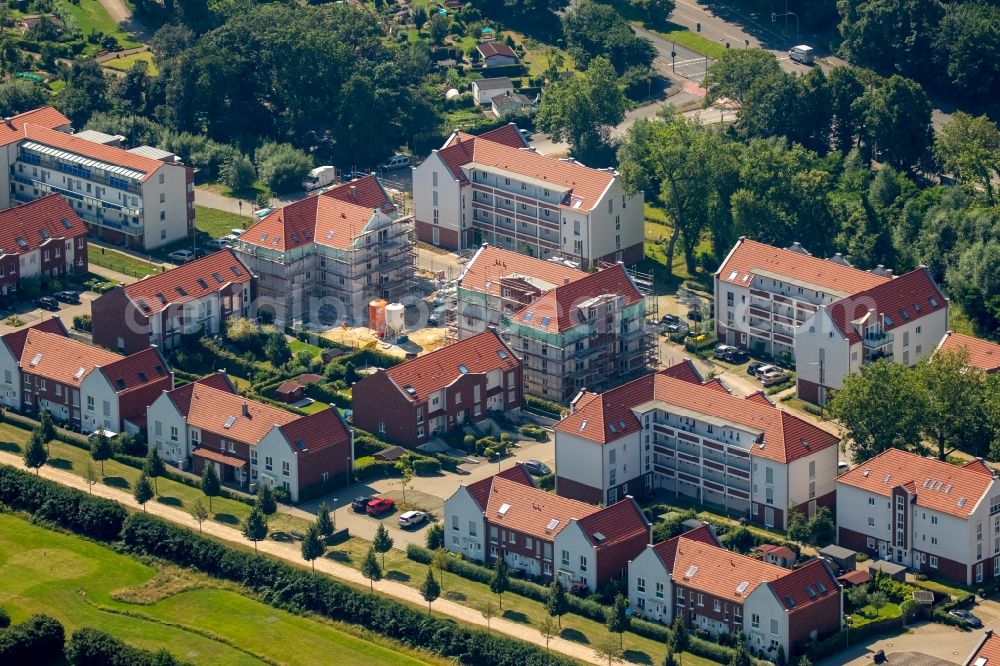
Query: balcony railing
{"x": 876, "y": 340}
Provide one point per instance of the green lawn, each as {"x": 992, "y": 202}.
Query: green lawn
{"x": 121, "y": 262}
{"x": 124, "y": 63}
{"x": 197, "y": 619}
{"x": 90, "y": 15}
{"x": 695, "y": 42}
{"x": 515, "y": 608}
{"x": 217, "y": 223}
{"x": 868, "y": 614}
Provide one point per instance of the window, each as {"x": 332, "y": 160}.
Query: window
{"x": 511, "y": 537}
{"x": 755, "y": 620}
{"x": 434, "y": 178}
{"x": 812, "y": 469}
{"x": 454, "y": 523}
{"x": 640, "y": 583}
{"x": 163, "y": 197}
{"x": 494, "y": 534}
{"x": 716, "y": 606}
{"x": 659, "y": 590}
{"x": 253, "y": 456}
{"x": 90, "y": 400}
{"x": 934, "y": 562}
{"x": 933, "y": 520}
{"x": 285, "y": 471}
{"x": 472, "y": 528}
{"x": 173, "y": 433}
{"x": 565, "y": 558}
{"x": 268, "y": 465}
{"x": 871, "y": 522}
{"x": 680, "y": 597}
{"x": 701, "y": 600}
{"x": 774, "y": 627}
{"x": 583, "y": 564}
{"x": 871, "y": 501}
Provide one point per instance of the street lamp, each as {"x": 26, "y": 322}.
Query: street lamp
{"x": 848, "y": 639}
{"x": 334, "y": 514}
{"x": 349, "y": 480}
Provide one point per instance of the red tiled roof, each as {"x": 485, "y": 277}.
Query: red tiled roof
{"x": 785, "y": 436}
{"x": 491, "y": 264}
{"x": 792, "y": 589}
{"x": 783, "y": 552}
{"x": 366, "y": 192}
{"x": 210, "y": 408}
{"x": 45, "y": 116}
{"x": 181, "y": 396}
{"x": 210, "y": 454}
{"x": 195, "y": 279}
{"x": 685, "y": 371}
{"x": 901, "y": 300}
{"x": 988, "y": 650}
{"x": 489, "y": 49}
{"x": 750, "y": 258}
{"x": 480, "y": 490}
{"x": 432, "y": 372}
{"x": 667, "y": 550}
{"x": 30, "y": 226}
{"x": 939, "y": 485}
{"x": 856, "y": 577}
{"x": 15, "y": 340}
{"x": 978, "y": 465}
{"x": 719, "y": 572}
{"x": 507, "y": 135}
{"x": 315, "y": 432}
{"x": 558, "y": 309}
{"x": 760, "y": 398}
{"x": 133, "y": 372}
{"x": 716, "y": 385}
{"x": 291, "y": 386}
{"x": 96, "y": 151}
{"x": 60, "y": 358}
{"x": 983, "y": 354}
{"x": 616, "y": 523}
{"x": 584, "y": 186}
{"x": 531, "y": 510}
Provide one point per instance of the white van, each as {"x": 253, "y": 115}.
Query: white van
{"x": 802, "y": 53}
{"x": 395, "y": 162}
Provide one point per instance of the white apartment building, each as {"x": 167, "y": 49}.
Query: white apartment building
{"x": 142, "y": 198}
{"x": 493, "y": 189}
{"x": 925, "y": 514}
{"x": 672, "y": 432}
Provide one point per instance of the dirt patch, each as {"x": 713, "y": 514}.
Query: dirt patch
{"x": 420, "y": 341}
{"x": 167, "y": 582}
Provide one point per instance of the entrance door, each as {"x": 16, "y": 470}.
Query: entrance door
{"x": 882, "y": 550}
{"x": 768, "y": 516}
{"x": 436, "y": 236}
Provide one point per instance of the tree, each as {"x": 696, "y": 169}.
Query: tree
{"x": 282, "y": 167}
{"x": 555, "y": 601}
{"x": 967, "y": 47}
{"x": 656, "y": 11}
{"x": 405, "y": 477}
{"x": 382, "y": 543}
{"x": 276, "y": 349}
{"x": 90, "y": 476}
{"x": 312, "y": 546}
{"x": 857, "y": 595}
{"x": 210, "y": 484}
{"x": 731, "y": 76}
{"x": 881, "y": 388}
{"x": 779, "y": 655}
{"x": 143, "y": 491}
{"x": 255, "y": 527}
{"x": 47, "y": 425}
{"x": 896, "y": 118}
{"x": 955, "y": 408}
{"x": 969, "y": 147}
{"x": 265, "y": 502}
{"x": 617, "y": 619}
{"x": 434, "y": 538}
{"x": 441, "y": 560}
{"x": 238, "y": 173}
{"x": 878, "y": 599}
{"x": 547, "y": 628}
{"x": 430, "y": 589}
{"x": 582, "y": 109}
{"x": 199, "y": 513}
{"x": 489, "y": 611}
{"x": 100, "y": 448}
{"x": 419, "y": 17}
{"x": 86, "y": 92}
{"x": 20, "y": 95}
{"x": 608, "y": 648}
{"x": 741, "y": 656}
{"x": 974, "y": 282}
{"x": 804, "y": 661}
{"x": 323, "y": 522}
{"x": 438, "y": 28}
{"x": 845, "y": 88}
{"x": 679, "y": 637}
{"x": 670, "y": 659}
{"x": 153, "y": 467}
{"x": 34, "y": 453}
{"x": 500, "y": 582}
{"x": 821, "y": 527}
{"x": 890, "y": 35}
{"x": 370, "y": 569}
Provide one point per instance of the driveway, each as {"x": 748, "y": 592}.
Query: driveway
{"x": 925, "y": 644}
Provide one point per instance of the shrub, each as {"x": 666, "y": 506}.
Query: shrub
{"x": 534, "y": 432}
{"x": 4, "y": 619}
{"x": 546, "y": 407}
{"x": 82, "y": 322}
{"x": 370, "y": 468}
{"x": 92, "y": 647}
{"x": 37, "y": 640}
{"x": 426, "y": 466}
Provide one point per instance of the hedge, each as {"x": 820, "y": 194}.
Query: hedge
{"x": 284, "y": 586}
{"x": 37, "y": 640}
{"x": 547, "y": 407}
{"x": 92, "y": 647}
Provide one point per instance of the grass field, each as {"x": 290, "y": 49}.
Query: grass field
{"x": 121, "y": 262}
{"x": 695, "y": 42}
{"x": 217, "y": 223}
{"x": 125, "y": 63}
{"x": 172, "y": 493}
{"x": 81, "y": 584}
{"x": 90, "y": 15}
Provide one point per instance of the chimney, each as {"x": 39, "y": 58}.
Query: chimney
{"x": 354, "y": 193}
{"x": 9, "y": 121}
{"x": 565, "y": 280}
{"x": 888, "y": 273}
{"x": 246, "y": 409}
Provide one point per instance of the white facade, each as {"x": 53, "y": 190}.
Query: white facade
{"x": 765, "y": 621}
{"x": 284, "y": 472}
{"x": 10, "y": 375}
{"x": 440, "y": 200}
{"x": 99, "y": 403}
{"x": 575, "y": 558}
{"x": 167, "y": 431}
{"x": 650, "y": 589}
{"x": 483, "y": 96}
{"x": 465, "y": 526}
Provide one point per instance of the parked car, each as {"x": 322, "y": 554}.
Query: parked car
{"x": 674, "y": 328}
{"x": 537, "y": 468}
{"x": 411, "y": 518}
{"x": 360, "y": 504}
{"x": 736, "y": 356}
{"x": 695, "y": 315}
{"x": 380, "y": 505}
{"x": 967, "y": 618}
{"x": 71, "y": 297}
{"x": 842, "y": 467}
{"x": 764, "y": 369}
{"x": 215, "y": 243}
{"x": 753, "y": 368}
{"x": 47, "y": 302}
{"x": 722, "y": 350}
{"x": 181, "y": 256}
{"x": 670, "y": 319}
{"x": 395, "y": 162}
{"x": 774, "y": 377}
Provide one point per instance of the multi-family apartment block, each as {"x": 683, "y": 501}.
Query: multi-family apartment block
{"x": 208, "y": 422}
{"x": 81, "y": 385}
{"x": 672, "y": 432}
{"x": 325, "y": 257}
{"x": 693, "y": 578}
{"x": 193, "y": 299}
{"x": 492, "y": 188}
{"x": 44, "y": 238}
{"x": 437, "y": 392}
{"x": 142, "y": 197}
{"x": 922, "y": 513}
{"x": 541, "y": 534}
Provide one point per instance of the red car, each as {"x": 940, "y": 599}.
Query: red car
{"x": 380, "y": 505}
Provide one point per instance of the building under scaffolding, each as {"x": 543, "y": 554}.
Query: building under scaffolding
{"x": 322, "y": 259}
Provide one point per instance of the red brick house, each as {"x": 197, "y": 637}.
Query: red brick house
{"x": 434, "y": 393}
{"x": 194, "y": 298}
{"x": 209, "y": 423}
{"x": 44, "y": 238}
{"x": 542, "y": 534}
{"x": 84, "y": 386}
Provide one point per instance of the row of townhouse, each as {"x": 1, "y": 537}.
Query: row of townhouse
{"x": 829, "y": 317}
{"x": 671, "y": 431}
{"x": 494, "y": 189}
{"x": 44, "y": 238}
{"x": 544, "y": 535}
{"x": 570, "y": 328}
{"x": 462, "y": 383}
{"x": 84, "y": 386}
{"x": 208, "y": 422}
{"x": 142, "y": 197}
{"x": 694, "y": 579}
{"x": 195, "y": 298}
{"x": 325, "y": 257}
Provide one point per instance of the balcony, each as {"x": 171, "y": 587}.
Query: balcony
{"x": 876, "y": 340}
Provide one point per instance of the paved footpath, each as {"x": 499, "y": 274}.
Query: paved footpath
{"x": 292, "y": 553}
